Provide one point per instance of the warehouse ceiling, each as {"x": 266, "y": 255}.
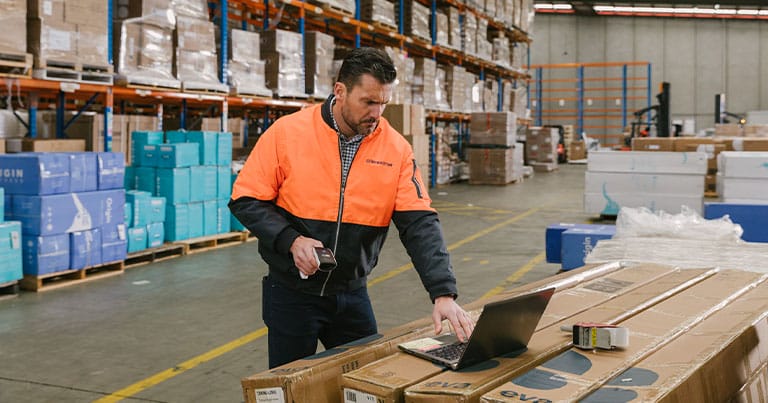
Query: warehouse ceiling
{"x": 744, "y": 9}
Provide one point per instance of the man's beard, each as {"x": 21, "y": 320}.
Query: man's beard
{"x": 361, "y": 127}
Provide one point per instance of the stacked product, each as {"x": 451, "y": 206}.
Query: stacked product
{"x": 193, "y": 208}
{"x": 284, "y": 54}
{"x": 484, "y": 46}
{"x": 490, "y": 95}
{"x": 416, "y": 20}
{"x": 495, "y": 157}
{"x": 469, "y": 44}
{"x": 380, "y": 11}
{"x": 345, "y": 6}
{"x": 14, "y": 40}
{"x": 196, "y": 62}
{"x": 71, "y": 208}
{"x": 10, "y": 245}
{"x": 145, "y": 218}
{"x": 454, "y": 28}
{"x": 656, "y": 180}
{"x": 520, "y": 58}
{"x": 318, "y": 48}
{"x": 441, "y": 21}
{"x": 541, "y": 148}
{"x": 501, "y": 51}
{"x": 459, "y": 88}
{"x": 144, "y": 45}
{"x": 404, "y": 65}
{"x": 409, "y": 120}
{"x": 246, "y": 69}
{"x": 442, "y": 101}
{"x": 743, "y": 177}
{"x": 424, "y": 86}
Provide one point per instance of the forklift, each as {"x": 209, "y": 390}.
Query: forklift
{"x": 659, "y": 118}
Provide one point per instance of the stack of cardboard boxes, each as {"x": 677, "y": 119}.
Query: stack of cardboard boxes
{"x": 195, "y": 58}
{"x": 319, "y": 48}
{"x": 71, "y": 208}
{"x": 483, "y": 45}
{"x": 145, "y": 219}
{"x": 743, "y": 177}
{"x": 541, "y": 148}
{"x": 194, "y": 207}
{"x": 14, "y": 41}
{"x": 459, "y": 86}
{"x": 424, "y": 85}
{"x": 416, "y": 20}
{"x": 495, "y": 157}
{"x": 468, "y": 43}
{"x": 454, "y": 27}
{"x": 10, "y": 244}
{"x": 379, "y": 11}
{"x": 404, "y": 65}
{"x": 246, "y": 69}
{"x": 501, "y": 51}
{"x": 284, "y": 53}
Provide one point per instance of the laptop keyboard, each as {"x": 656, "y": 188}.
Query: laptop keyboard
{"x": 449, "y": 352}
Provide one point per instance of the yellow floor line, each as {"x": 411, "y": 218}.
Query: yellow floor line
{"x": 516, "y": 275}
{"x": 225, "y": 348}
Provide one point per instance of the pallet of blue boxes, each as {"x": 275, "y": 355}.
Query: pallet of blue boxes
{"x": 71, "y": 210}
{"x": 191, "y": 172}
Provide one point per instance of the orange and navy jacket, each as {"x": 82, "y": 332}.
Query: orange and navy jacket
{"x": 291, "y": 185}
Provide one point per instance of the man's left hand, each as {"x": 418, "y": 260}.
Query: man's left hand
{"x": 447, "y": 308}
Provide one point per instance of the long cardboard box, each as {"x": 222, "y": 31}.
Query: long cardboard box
{"x": 647, "y": 162}
{"x": 609, "y": 204}
{"x": 470, "y": 384}
{"x": 614, "y": 182}
{"x": 385, "y": 380}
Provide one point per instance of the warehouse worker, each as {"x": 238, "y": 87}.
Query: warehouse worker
{"x": 333, "y": 176}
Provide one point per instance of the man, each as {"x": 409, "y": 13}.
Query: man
{"x": 333, "y": 176}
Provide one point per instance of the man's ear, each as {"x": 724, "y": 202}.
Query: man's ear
{"x": 339, "y": 90}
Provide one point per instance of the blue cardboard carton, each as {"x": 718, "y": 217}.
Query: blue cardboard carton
{"x": 578, "y": 242}
{"x": 8, "y": 201}
{"x": 207, "y": 142}
{"x": 155, "y": 234}
{"x": 82, "y": 172}
{"x": 176, "y": 222}
{"x": 64, "y": 213}
{"x": 554, "y": 236}
{"x": 130, "y": 178}
{"x": 178, "y": 155}
{"x": 146, "y": 179}
{"x": 111, "y": 170}
{"x": 224, "y": 149}
{"x": 137, "y": 239}
{"x": 45, "y": 254}
{"x": 85, "y": 248}
{"x": 196, "y": 225}
{"x": 10, "y": 252}
{"x": 157, "y": 210}
{"x": 753, "y": 218}
{"x": 141, "y": 202}
{"x": 176, "y": 136}
{"x": 34, "y": 173}
{"x": 235, "y": 224}
{"x": 2, "y": 204}
{"x": 114, "y": 243}
{"x": 224, "y": 182}
{"x": 204, "y": 186}
{"x": 148, "y": 155}
{"x": 128, "y": 211}
{"x": 173, "y": 184}
{"x": 140, "y": 139}
{"x": 223, "y": 217}
{"x": 210, "y": 217}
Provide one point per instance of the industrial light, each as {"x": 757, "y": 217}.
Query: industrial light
{"x": 709, "y": 12}
{"x": 552, "y": 6}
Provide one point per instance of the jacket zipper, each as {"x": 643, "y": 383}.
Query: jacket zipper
{"x": 416, "y": 182}
{"x": 339, "y": 213}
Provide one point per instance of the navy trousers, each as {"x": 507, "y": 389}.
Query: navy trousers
{"x": 296, "y": 321}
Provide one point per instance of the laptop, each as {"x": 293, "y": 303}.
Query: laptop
{"x": 503, "y": 327}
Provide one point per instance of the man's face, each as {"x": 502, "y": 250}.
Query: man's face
{"x": 363, "y": 104}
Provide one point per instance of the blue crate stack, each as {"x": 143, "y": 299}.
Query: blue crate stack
{"x": 10, "y": 244}
{"x": 70, "y": 208}
{"x": 191, "y": 171}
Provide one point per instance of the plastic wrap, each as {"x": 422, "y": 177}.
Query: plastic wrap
{"x": 469, "y": 40}
{"x": 92, "y": 45}
{"x": 51, "y": 39}
{"x": 244, "y": 46}
{"x": 454, "y": 27}
{"x": 191, "y": 8}
{"x": 442, "y": 38}
{"x": 458, "y": 91}
{"x": 417, "y": 20}
{"x": 382, "y": 11}
{"x": 282, "y": 51}
{"x": 146, "y": 50}
{"x": 195, "y": 35}
{"x": 401, "y": 90}
{"x": 13, "y": 19}
{"x": 641, "y": 222}
{"x": 424, "y": 86}
{"x": 319, "y": 50}
{"x": 501, "y": 51}
{"x": 159, "y": 12}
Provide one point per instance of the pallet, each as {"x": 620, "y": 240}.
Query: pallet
{"x": 292, "y": 96}
{"x": 9, "y": 289}
{"x": 206, "y": 243}
{"x": 15, "y": 65}
{"x": 148, "y": 83}
{"x": 255, "y": 93}
{"x": 52, "y": 281}
{"x": 248, "y": 236}
{"x": 205, "y": 88}
{"x": 712, "y": 195}
{"x": 384, "y": 26}
{"x": 336, "y": 9}
{"x": 153, "y": 255}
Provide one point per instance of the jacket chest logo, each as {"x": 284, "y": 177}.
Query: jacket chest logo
{"x": 375, "y": 162}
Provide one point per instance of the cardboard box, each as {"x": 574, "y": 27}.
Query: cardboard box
{"x": 210, "y": 217}
{"x": 92, "y": 42}
{"x": 45, "y": 254}
{"x": 223, "y": 149}
{"x": 418, "y": 119}
{"x": 647, "y": 162}
{"x": 223, "y": 182}
{"x": 10, "y": 252}
{"x": 577, "y": 151}
{"x": 177, "y": 155}
{"x": 51, "y": 40}
{"x": 495, "y": 166}
{"x": 83, "y": 175}
{"x": 70, "y": 212}
{"x": 114, "y": 243}
{"x": 399, "y": 117}
{"x": 462, "y": 386}
{"x": 599, "y": 203}
{"x": 207, "y": 143}
{"x": 196, "y": 219}
{"x": 742, "y": 164}
{"x": 85, "y": 248}
{"x": 611, "y": 183}
{"x": 50, "y": 146}
{"x": 14, "y": 22}
{"x": 137, "y": 239}
{"x": 653, "y": 144}
{"x": 744, "y": 189}
{"x": 158, "y": 12}
{"x": 157, "y": 209}
{"x": 203, "y": 183}
{"x": 223, "y": 216}
{"x": 578, "y": 242}
{"x": 573, "y": 374}
{"x": 155, "y": 234}
{"x": 747, "y": 144}
{"x": 711, "y": 149}
{"x": 111, "y": 170}
{"x": 176, "y": 222}
{"x": 174, "y": 185}
{"x": 497, "y": 128}
{"x": 35, "y": 174}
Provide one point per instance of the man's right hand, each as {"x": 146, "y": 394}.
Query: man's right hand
{"x": 303, "y": 251}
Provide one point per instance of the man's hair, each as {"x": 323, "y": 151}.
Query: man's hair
{"x": 366, "y": 60}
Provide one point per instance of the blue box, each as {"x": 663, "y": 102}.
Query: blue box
{"x": 210, "y": 217}
{"x": 8, "y": 201}
{"x": 85, "y": 248}
{"x": 176, "y": 137}
{"x": 2, "y": 204}
{"x": 64, "y": 213}
{"x": 235, "y": 224}
{"x": 130, "y": 178}
{"x": 10, "y": 252}
{"x": 45, "y": 254}
{"x": 157, "y": 210}
{"x": 178, "y": 155}
{"x": 554, "y": 236}
{"x": 155, "y": 234}
{"x": 137, "y": 239}
{"x": 223, "y": 182}
{"x": 128, "y": 213}
{"x": 148, "y": 155}
{"x": 196, "y": 225}
{"x": 207, "y": 142}
{"x": 578, "y": 242}
{"x": 224, "y": 149}
{"x": 34, "y": 173}
{"x": 753, "y": 218}
{"x": 204, "y": 187}
{"x": 176, "y": 222}
{"x": 174, "y": 185}
{"x": 141, "y": 202}
{"x": 111, "y": 170}
{"x": 146, "y": 179}
{"x": 223, "y": 217}
{"x": 140, "y": 139}
{"x": 82, "y": 172}
{"x": 114, "y": 243}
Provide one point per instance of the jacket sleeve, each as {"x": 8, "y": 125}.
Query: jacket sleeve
{"x": 264, "y": 220}
{"x": 422, "y": 236}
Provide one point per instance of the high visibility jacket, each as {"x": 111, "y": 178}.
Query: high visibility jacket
{"x": 291, "y": 185}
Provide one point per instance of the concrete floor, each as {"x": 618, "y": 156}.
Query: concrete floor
{"x": 188, "y": 329}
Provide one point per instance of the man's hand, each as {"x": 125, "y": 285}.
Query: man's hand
{"x": 447, "y": 308}
{"x": 303, "y": 251}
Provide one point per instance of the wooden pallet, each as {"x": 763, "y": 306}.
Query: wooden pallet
{"x": 149, "y": 83}
{"x": 245, "y": 92}
{"x": 339, "y": 10}
{"x": 292, "y": 96}
{"x": 153, "y": 255}
{"x": 15, "y": 65}
{"x": 711, "y": 194}
{"x": 52, "y": 281}
{"x": 204, "y": 88}
{"x": 249, "y": 237}
{"x": 9, "y": 289}
{"x": 384, "y": 26}
{"x": 206, "y": 243}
